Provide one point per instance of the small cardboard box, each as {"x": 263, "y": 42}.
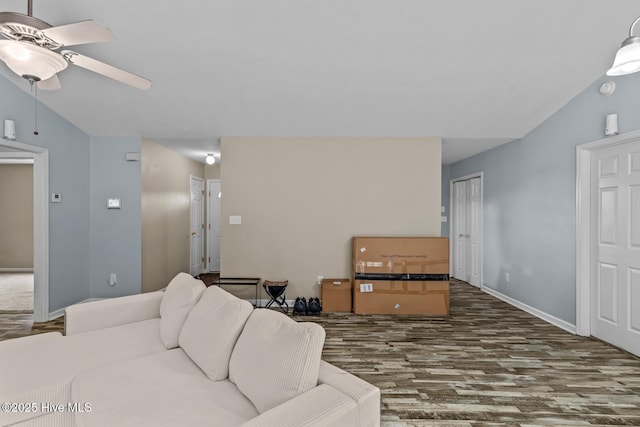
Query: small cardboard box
{"x": 400, "y": 255}
{"x": 429, "y": 298}
{"x": 336, "y": 295}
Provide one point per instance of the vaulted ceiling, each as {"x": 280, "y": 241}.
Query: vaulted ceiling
{"x": 478, "y": 73}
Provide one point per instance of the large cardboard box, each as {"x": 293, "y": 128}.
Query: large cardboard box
{"x": 336, "y": 295}
{"x": 401, "y": 275}
{"x": 401, "y": 297}
{"x": 400, "y": 255}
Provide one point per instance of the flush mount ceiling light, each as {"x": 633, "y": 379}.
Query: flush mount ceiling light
{"x": 210, "y": 159}
{"x": 627, "y": 58}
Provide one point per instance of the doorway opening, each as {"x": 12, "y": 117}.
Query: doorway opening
{"x": 40, "y": 158}
{"x": 16, "y": 229}
{"x": 466, "y": 229}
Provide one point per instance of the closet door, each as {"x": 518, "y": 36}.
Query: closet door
{"x": 459, "y": 238}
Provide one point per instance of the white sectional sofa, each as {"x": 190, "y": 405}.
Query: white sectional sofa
{"x": 187, "y": 356}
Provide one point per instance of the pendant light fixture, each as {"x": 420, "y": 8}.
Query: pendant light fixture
{"x": 627, "y": 58}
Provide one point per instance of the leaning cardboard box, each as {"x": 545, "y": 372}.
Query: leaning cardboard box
{"x": 336, "y": 295}
{"x": 401, "y": 275}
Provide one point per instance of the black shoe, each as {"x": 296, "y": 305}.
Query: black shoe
{"x": 300, "y": 307}
{"x": 314, "y": 307}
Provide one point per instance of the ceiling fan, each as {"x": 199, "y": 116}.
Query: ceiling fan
{"x": 31, "y": 49}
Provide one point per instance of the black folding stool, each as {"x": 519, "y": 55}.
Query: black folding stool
{"x": 275, "y": 290}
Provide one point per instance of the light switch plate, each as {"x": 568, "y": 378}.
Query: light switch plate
{"x": 235, "y": 219}
{"x": 113, "y": 203}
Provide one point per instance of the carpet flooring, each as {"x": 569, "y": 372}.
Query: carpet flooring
{"x": 487, "y": 364}
{"x": 16, "y": 292}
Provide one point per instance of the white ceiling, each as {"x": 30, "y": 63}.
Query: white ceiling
{"x": 476, "y": 72}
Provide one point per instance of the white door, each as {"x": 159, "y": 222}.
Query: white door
{"x": 473, "y": 231}
{"x": 213, "y": 221}
{"x": 615, "y": 287}
{"x": 197, "y": 225}
{"x": 459, "y": 237}
{"x": 467, "y": 230}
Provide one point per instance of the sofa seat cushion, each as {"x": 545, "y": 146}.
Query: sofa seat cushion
{"x": 54, "y": 360}
{"x": 163, "y": 389}
{"x": 276, "y": 358}
{"x": 181, "y": 295}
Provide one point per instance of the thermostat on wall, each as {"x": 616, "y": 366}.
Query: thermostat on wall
{"x": 113, "y": 203}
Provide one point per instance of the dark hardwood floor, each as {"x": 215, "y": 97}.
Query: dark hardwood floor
{"x": 488, "y": 363}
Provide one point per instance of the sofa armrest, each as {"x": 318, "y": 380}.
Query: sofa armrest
{"x": 322, "y": 406}
{"x": 366, "y": 396}
{"x": 89, "y": 316}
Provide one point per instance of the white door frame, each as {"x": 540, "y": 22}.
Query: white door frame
{"x": 583, "y": 225}
{"x": 451, "y": 254}
{"x": 40, "y": 158}
{"x": 209, "y": 197}
{"x": 201, "y": 226}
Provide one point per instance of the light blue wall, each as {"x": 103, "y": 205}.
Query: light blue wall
{"x": 86, "y": 242}
{"x": 529, "y": 214}
{"x": 68, "y": 175}
{"x": 116, "y": 234}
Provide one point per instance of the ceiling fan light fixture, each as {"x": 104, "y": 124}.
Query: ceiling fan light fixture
{"x": 26, "y": 59}
{"x": 210, "y": 159}
{"x": 627, "y": 58}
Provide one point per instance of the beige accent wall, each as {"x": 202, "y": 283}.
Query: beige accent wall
{"x": 16, "y": 216}
{"x": 302, "y": 199}
{"x": 165, "y": 214}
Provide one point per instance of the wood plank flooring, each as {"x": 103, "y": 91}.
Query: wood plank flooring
{"x": 487, "y": 364}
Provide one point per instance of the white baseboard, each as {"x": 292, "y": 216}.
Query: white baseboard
{"x": 56, "y": 314}
{"x": 531, "y": 310}
{"x": 60, "y": 312}
{"x": 16, "y": 270}
{"x": 263, "y": 302}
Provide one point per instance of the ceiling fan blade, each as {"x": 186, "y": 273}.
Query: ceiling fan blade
{"x": 82, "y": 32}
{"x": 106, "y": 70}
{"x": 52, "y": 83}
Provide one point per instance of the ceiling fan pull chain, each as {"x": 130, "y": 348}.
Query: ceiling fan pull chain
{"x": 35, "y": 105}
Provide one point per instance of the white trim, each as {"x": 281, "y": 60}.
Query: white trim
{"x": 263, "y": 302}
{"x": 583, "y": 225}
{"x": 208, "y": 198}
{"x": 451, "y": 182}
{"x": 40, "y": 222}
{"x": 531, "y": 310}
{"x": 202, "y": 240}
{"x": 57, "y": 313}
{"x": 16, "y": 270}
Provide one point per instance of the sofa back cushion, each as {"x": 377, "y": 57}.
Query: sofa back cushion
{"x": 276, "y": 358}
{"x": 181, "y": 295}
{"x": 212, "y": 329}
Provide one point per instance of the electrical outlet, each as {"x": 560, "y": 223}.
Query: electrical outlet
{"x": 319, "y": 280}
{"x": 112, "y": 279}
{"x": 507, "y": 277}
